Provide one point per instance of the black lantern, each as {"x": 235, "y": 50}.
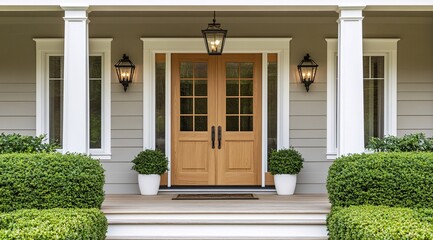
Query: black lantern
{"x": 307, "y": 71}
{"x": 214, "y": 37}
{"x": 125, "y": 71}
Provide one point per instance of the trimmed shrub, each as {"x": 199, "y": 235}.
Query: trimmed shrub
{"x": 285, "y": 161}
{"x": 150, "y": 162}
{"x": 408, "y": 143}
{"x": 391, "y": 179}
{"x": 380, "y": 222}
{"x": 57, "y": 223}
{"x": 54, "y": 180}
{"x": 16, "y": 143}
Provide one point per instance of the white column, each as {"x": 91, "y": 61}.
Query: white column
{"x": 76, "y": 84}
{"x": 350, "y": 120}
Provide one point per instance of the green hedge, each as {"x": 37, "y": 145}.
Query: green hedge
{"x": 380, "y": 222}
{"x": 16, "y": 143}
{"x": 387, "y": 178}
{"x": 416, "y": 142}
{"x": 57, "y": 223}
{"x": 45, "y": 180}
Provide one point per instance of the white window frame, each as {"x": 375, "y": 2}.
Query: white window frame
{"x": 46, "y": 47}
{"x": 152, "y": 46}
{"x": 386, "y": 47}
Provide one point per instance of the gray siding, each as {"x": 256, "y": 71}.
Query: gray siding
{"x": 307, "y": 110}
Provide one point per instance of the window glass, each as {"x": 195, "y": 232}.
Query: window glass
{"x": 239, "y": 96}
{"x": 193, "y": 96}
{"x": 95, "y": 101}
{"x": 56, "y": 100}
{"x": 373, "y": 97}
{"x": 272, "y": 101}
{"x": 160, "y": 101}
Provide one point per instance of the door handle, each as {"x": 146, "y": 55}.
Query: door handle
{"x": 219, "y": 137}
{"x": 213, "y": 137}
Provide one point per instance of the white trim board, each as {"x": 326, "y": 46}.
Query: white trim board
{"x": 46, "y": 47}
{"x": 209, "y": 5}
{"x": 151, "y": 46}
{"x": 386, "y": 47}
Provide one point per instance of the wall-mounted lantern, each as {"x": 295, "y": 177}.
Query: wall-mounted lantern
{"x": 214, "y": 37}
{"x": 125, "y": 71}
{"x": 307, "y": 71}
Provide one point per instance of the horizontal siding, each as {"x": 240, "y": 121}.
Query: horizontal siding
{"x": 127, "y": 123}
{"x": 127, "y": 108}
{"x": 116, "y": 188}
{"x": 20, "y": 131}
{"x": 415, "y": 122}
{"x": 428, "y": 133}
{"x": 17, "y": 123}
{"x": 414, "y": 87}
{"x": 300, "y": 88}
{"x": 307, "y": 133}
{"x": 307, "y": 122}
{"x": 117, "y": 88}
{"x": 310, "y": 188}
{"x": 124, "y": 154}
{"x": 123, "y": 133}
{"x": 14, "y": 88}
{"x": 127, "y": 142}
{"x": 18, "y": 97}
{"x": 26, "y": 109}
{"x": 415, "y": 108}
{"x": 415, "y": 96}
{"x": 308, "y": 143}
{"x": 307, "y": 108}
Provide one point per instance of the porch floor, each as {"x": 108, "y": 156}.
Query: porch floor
{"x": 269, "y": 217}
{"x": 267, "y": 203}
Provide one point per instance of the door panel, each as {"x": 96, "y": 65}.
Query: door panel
{"x": 222, "y": 93}
{"x": 239, "y": 85}
{"x": 193, "y": 159}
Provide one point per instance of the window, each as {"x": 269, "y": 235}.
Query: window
{"x": 374, "y": 92}
{"x": 272, "y": 101}
{"x": 380, "y": 90}
{"x": 50, "y": 93}
{"x": 160, "y": 117}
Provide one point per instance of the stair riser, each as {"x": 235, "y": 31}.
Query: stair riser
{"x": 191, "y": 231}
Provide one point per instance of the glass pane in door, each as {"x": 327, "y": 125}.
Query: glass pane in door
{"x": 239, "y": 96}
{"x": 193, "y": 96}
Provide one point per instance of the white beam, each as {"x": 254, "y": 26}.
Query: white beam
{"x": 76, "y": 84}
{"x": 350, "y": 103}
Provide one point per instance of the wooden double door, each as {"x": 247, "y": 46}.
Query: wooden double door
{"x": 216, "y": 119}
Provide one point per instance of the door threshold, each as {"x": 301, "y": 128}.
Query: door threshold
{"x": 216, "y": 189}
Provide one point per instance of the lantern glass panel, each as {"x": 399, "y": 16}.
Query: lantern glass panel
{"x": 214, "y": 41}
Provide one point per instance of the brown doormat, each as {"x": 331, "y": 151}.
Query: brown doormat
{"x": 242, "y": 196}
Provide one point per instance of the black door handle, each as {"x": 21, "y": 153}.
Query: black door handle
{"x": 219, "y": 137}
{"x": 213, "y": 137}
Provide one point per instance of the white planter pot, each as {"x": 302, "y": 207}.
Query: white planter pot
{"x": 149, "y": 184}
{"x": 285, "y": 184}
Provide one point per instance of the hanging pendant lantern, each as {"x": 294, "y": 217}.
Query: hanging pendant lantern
{"x": 214, "y": 37}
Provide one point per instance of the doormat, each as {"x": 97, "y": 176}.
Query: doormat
{"x": 242, "y": 196}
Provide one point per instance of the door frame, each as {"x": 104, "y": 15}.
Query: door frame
{"x": 152, "y": 46}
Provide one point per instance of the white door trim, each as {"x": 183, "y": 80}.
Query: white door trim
{"x": 151, "y": 46}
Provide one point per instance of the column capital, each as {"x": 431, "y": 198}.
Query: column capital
{"x": 350, "y": 12}
{"x": 75, "y": 12}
